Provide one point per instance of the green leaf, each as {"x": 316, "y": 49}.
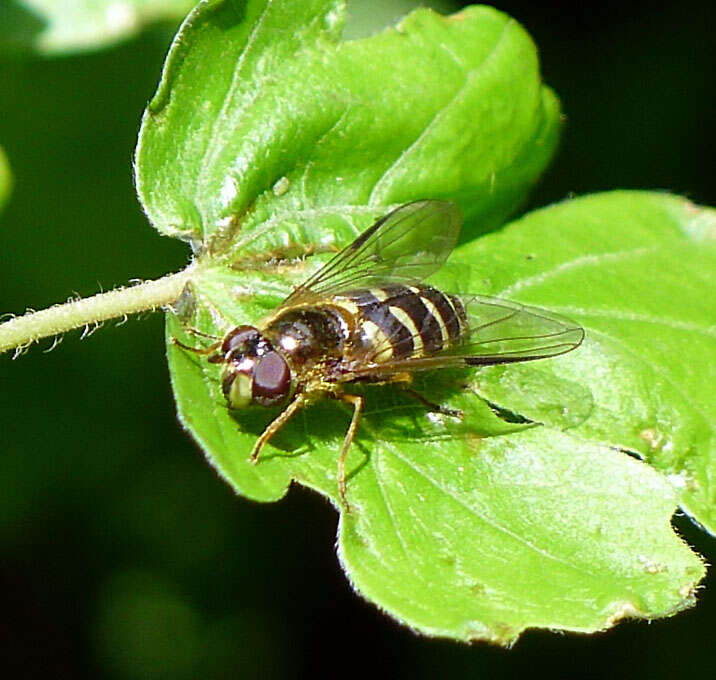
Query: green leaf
{"x": 482, "y": 528}
{"x": 266, "y": 133}
{"x": 638, "y": 270}
{"x": 533, "y": 529}
{"x": 53, "y": 27}
{"x": 366, "y": 17}
{"x": 471, "y": 530}
{"x": 5, "y": 179}
{"x": 267, "y": 139}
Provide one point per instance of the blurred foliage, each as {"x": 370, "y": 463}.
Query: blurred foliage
{"x": 5, "y": 178}
{"x": 103, "y": 493}
{"x": 56, "y": 27}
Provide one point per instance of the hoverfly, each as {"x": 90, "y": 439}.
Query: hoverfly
{"x": 367, "y": 316}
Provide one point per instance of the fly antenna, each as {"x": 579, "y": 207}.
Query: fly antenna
{"x": 201, "y": 334}
{"x": 197, "y": 350}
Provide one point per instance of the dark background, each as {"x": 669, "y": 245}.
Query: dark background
{"x": 122, "y": 555}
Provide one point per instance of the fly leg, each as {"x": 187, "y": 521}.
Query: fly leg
{"x": 357, "y": 403}
{"x": 431, "y": 406}
{"x": 405, "y": 380}
{"x": 275, "y": 425}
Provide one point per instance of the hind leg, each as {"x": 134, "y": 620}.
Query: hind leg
{"x": 432, "y": 406}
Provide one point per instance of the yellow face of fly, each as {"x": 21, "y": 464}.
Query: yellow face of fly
{"x": 240, "y": 394}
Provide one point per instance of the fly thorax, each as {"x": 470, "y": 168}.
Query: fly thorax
{"x": 306, "y": 336}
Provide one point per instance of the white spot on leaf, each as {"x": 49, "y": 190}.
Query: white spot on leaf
{"x": 281, "y": 186}
{"x": 229, "y": 190}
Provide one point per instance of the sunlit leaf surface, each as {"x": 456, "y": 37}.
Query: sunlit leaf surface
{"x": 638, "y": 270}
{"x": 265, "y": 128}
{"x": 269, "y": 139}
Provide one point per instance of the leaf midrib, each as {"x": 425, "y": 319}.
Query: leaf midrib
{"x": 469, "y": 76}
{"x": 214, "y": 140}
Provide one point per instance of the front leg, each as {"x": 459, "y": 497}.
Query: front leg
{"x": 275, "y": 425}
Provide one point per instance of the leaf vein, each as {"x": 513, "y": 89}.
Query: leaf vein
{"x": 582, "y": 260}
{"x": 439, "y": 114}
{"x": 339, "y": 210}
{"x": 687, "y": 399}
{"x": 674, "y": 324}
{"x": 389, "y": 510}
{"x": 214, "y": 142}
{"x": 490, "y": 522}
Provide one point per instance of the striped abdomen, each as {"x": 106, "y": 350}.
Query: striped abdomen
{"x": 398, "y": 322}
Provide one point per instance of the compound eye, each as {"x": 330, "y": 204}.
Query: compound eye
{"x": 239, "y": 337}
{"x": 272, "y": 379}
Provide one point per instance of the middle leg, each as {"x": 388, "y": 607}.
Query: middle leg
{"x": 357, "y": 402}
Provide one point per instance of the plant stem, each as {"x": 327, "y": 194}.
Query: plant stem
{"x": 22, "y": 331}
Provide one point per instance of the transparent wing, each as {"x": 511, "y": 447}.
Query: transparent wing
{"x": 498, "y": 332}
{"x": 405, "y": 246}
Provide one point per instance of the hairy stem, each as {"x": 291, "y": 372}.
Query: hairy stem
{"x": 24, "y": 330}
